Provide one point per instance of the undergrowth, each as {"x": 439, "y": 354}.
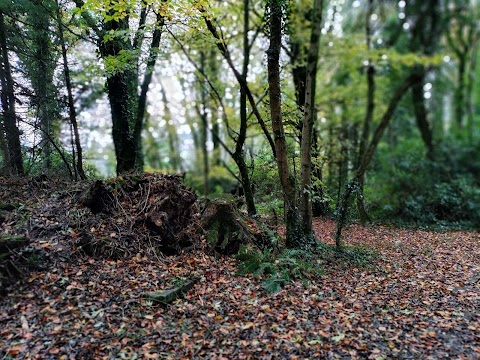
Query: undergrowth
{"x": 276, "y": 269}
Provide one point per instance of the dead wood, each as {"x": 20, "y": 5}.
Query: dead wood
{"x": 227, "y": 228}
{"x": 144, "y": 210}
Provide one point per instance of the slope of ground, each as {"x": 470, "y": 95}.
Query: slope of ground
{"x": 420, "y": 301}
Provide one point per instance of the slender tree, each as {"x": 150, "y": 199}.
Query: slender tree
{"x": 370, "y": 108}
{"x": 425, "y": 34}
{"x": 9, "y": 116}
{"x": 309, "y": 118}
{"x": 40, "y": 62}
{"x": 463, "y": 38}
{"x": 78, "y": 165}
{"x": 353, "y": 186}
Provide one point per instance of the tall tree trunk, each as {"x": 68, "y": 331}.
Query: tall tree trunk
{"x": 123, "y": 98}
{"x": 425, "y": 35}
{"x": 71, "y": 104}
{"x": 460, "y": 91}
{"x": 213, "y": 70}
{"x": 421, "y": 112}
{"x": 120, "y": 95}
{"x": 367, "y": 123}
{"x": 239, "y": 154}
{"x": 319, "y": 203}
{"x": 308, "y": 119}
{"x": 147, "y": 79}
{"x": 202, "y": 112}
{"x": 352, "y": 186}
{"x": 292, "y": 218}
{"x": 15, "y": 158}
{"x": 470, "y": 86}
{"x": 41, "y": 68}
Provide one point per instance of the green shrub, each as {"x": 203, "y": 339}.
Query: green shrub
{"x": 220, "y": 181}
{"x": 276, "y": 270}
{"x": 268, "y": 191}
{"x": 406, "y": 188}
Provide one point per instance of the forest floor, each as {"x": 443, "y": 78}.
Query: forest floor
{"x": 420, "y": 300}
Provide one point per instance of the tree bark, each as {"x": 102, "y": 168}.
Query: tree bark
{"x": 367, "y": 123}
{"x": 239, "y": 154}
{"x": 460, "y": 92}
{"x": 426, "y": 32}
{"x": 41, "y": 67}
{"x": 15, "y": 157}
{"x": 3, "y": 145}
{"x": 213, "y": 69}
{"x": 352, "y": 186}
{"x": 147, "y": 79}
{"x": 309, "y": 117}
{"x": 292, "y": 218}
{"x": 421, "y": 112}
{"x": 470, "y": 86}
{"x": 123, "y": 98}
{"x": 71, "y": 103}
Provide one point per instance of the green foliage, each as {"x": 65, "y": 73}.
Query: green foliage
{"x": 123, "y": 61}
{"x": 268, "y": 192}
{"x": 91, "y": 171}
{"x": 34, "y": 166}
{"x": 220, "y": 181}
{"x": 276, "y": 270}
{"x": 408, "y": 189}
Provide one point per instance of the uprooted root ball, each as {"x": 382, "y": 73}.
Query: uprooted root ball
{"x": 152, "y": 210}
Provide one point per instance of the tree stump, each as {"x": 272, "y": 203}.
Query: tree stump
{"x": 228, "y": 229}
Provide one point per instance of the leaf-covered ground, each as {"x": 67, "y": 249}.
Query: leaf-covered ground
{"x": 421, "y": 300}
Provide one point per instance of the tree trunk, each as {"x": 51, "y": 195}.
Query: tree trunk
{"x": 319, "y": 205}
{"x": 12, "y": 133}
{"x": 470, "y": 87}
{"x": 202, "y": 113}
{"x": 460, "y": 91}
{"x": 213, "y": 70}
{"x": 292, "y": 218}
{"x": 421, "y": 112}
{"x": 40, "y": 66}
{"x": 239, "y": 154}
{"x": 71, "y": 104}
{"x": 308, "y": 119}
{"x": 206, "y": 167}
{"x": 352, "y": 186}
{"x": 123, "y": 97}
{"x": 247, "y": 186}
{"x": 362, "y": 211}
{"x": 142, "y": 99}
{"x": 3, "y": 144}
{"x": 367, "y": 123}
